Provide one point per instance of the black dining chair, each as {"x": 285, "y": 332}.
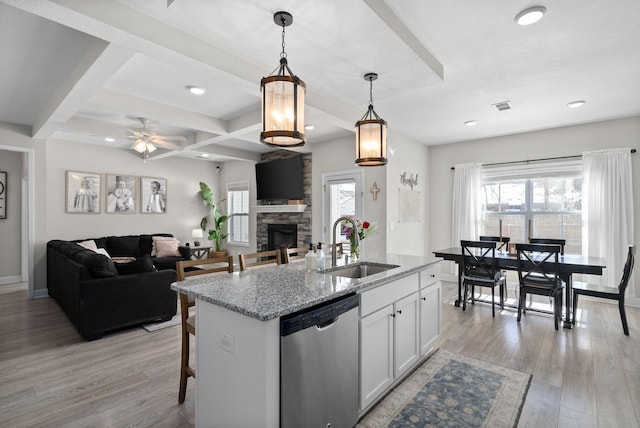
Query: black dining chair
{"x": 502, "y": 242}
{"x": 539, "y": 273}
{"x": 479, "y": 268}
{"x": 606, "y": 292}
{"x": 550, "y": 241}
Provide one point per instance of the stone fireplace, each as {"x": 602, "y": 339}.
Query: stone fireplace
{"x": 282, "y": 236}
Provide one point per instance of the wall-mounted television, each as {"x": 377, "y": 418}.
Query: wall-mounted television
{"x": 280, "y": 179}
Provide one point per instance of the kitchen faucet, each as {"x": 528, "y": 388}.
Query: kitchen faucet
{"x": 356, "y": 242}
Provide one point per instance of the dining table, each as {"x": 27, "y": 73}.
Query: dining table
{"x": 568, "y": 264}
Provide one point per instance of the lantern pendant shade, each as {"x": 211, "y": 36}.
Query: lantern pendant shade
{"x": 371, "y": 136}
{"x": 282, "y": 100}
{"x": 282, "y": 111}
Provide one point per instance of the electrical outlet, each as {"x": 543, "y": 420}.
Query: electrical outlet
{"x": 227, "y": 342}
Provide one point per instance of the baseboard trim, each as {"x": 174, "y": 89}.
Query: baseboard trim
{"x": 10, "y": 279}
{"x": 39, "y": 294}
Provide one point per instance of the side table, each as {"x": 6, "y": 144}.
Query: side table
{"x": 199, "y": 252}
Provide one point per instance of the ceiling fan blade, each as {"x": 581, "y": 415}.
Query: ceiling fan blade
{"x": 166, "y": 144}
{"x": 169, "y": 137}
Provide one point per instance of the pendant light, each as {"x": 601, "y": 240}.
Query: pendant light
{"x": 371, "y": 134}
{"x": 282, "y": 100}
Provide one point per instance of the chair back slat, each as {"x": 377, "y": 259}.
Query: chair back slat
{"x": 259, "y": 258}
{"x": 293, "y": 254}
{"x": 628, "y": 268}
{"x": 205, "y": 266}
{"x": 538, "y": 265}
{"x": 478, "y": 259}
{"x": 550, "y": 241}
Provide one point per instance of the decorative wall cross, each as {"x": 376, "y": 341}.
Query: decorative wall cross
{"x": 411, "y": 181}
{"x": 374, "y": 191}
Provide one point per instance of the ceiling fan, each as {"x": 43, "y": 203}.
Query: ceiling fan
{"x": 146, "y": 140}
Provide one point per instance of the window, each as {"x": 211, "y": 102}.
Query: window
{"x": 535, "y": 202}
{"x": 238, "y": 209}
{"x": 342, "y": 197}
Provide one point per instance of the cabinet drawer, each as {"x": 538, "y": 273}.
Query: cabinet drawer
{"x": 430, "y": 275}
{"x": 372, "y": 300}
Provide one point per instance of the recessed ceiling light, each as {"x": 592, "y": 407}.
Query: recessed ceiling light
{"x": 196, "y": 90}
{"x": 576, "y": 104}
{"x": 109, "y": 139}
{"x": 471, "y": 122}
{"x": 203, "y": 155}
{"x": 531, "y": 15}
{"x": 309, "y": 127}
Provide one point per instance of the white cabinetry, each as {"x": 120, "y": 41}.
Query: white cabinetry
{"x": 430, "y": 287}
{"x": 388, "y": 335}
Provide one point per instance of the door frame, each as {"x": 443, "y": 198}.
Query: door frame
{"x": 329, "y": 176}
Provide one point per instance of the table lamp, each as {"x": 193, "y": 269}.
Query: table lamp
{"x": 195, "y": 234}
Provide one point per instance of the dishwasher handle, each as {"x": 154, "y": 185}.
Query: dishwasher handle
{"x": 325, "y": 325}
{"x": 321, "y": 316}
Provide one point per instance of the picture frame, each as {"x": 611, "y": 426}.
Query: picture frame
{"x": 121, "y": 192}
{"x": 3, "y": 195}
{"x": 154, "y": 195}
{"x": 83, "y": 192}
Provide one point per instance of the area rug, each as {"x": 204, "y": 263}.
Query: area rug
{"x": 452, "y": 390}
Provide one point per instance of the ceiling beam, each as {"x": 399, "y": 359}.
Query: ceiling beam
{"x": 391, "y": 20}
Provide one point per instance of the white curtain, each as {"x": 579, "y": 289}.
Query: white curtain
{"x": 608, "y": 210}
{"x": 467, "y": 186}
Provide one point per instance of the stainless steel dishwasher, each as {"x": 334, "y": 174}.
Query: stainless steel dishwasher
{"x": 319, "y": 366}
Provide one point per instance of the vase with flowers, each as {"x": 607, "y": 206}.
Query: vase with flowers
{"x": 365, "y": 228}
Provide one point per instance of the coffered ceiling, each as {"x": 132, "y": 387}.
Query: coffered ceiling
{"x": 83, "y": 70}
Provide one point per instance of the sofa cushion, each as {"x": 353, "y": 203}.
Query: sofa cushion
{"x": 124, "y": 245}
{"x": 99, "y": 265}
{"x": 163, "y": 263}
{"x": 140, "y": 265}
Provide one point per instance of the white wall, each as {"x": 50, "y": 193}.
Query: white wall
{"x": 413, "y": 158}
{"x": 184, "y": 206}
{"x": 567, "y": 141}
{"x": 10, "y": 228}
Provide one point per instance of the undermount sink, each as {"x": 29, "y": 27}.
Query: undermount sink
{"x": 359, "y": 270}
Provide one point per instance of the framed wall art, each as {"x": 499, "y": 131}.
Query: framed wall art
{"x": 3, "y": 195}
{"x": 121, "y": 193}
{"x": 154, "y": 195}
{"x": 83, "y": 192}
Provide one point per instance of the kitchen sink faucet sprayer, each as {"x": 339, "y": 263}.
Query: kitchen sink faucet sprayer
{"x": 356, "y": 242}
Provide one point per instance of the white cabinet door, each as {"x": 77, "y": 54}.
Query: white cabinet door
{"x": 376, "y": 354}
{"x": 429, "y": 317}
{"x": 405, "y": 333}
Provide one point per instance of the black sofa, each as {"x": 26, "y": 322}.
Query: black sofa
{"x": 99, "y": 295}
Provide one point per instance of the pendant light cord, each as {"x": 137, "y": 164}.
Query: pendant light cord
{"x": 283, "y": 54}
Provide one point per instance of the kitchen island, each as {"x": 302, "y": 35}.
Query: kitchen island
{"x": 238, "y": 331}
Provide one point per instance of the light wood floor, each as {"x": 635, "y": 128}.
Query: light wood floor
{"x": 50, "y": 376}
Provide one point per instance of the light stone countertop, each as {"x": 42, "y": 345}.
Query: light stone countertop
{"x": 265, "y": 293}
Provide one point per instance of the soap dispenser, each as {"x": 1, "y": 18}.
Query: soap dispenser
{"x": 310, "y": 261}
{"x": 320, "y": 258}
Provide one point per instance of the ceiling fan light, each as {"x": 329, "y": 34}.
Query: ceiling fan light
{"x": 140, "y": 146}
{"x": 282, "y": 100}
{"x": 151, "y": 148}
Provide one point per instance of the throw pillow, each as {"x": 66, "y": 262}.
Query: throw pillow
{"x": 140, "y": 265}
{"x": 166, "y": 248}
{"x": 156, "y": 239}
{"x": 102, "y": 251}
{"x": 89, "y": 245}
{"x": 123, "y": 259}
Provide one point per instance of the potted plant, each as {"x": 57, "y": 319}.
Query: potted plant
{"x": 218, "y": 220}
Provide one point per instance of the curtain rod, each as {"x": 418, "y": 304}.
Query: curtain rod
{"x": 534, "y": 160}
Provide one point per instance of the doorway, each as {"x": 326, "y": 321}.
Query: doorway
{"x": 342, "y": 196}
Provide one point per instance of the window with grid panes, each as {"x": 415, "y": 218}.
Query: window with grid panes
{"x": 238, "y": 209}
{"x": 535, "y": 202}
